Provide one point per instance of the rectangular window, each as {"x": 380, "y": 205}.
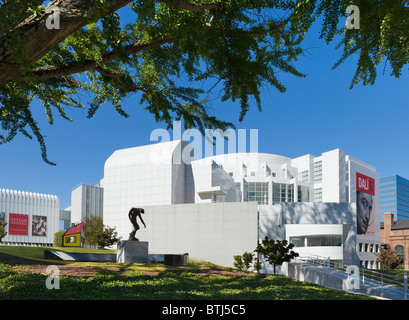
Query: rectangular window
{"x": 298, "y": 241}
{"x": 318, "y": 195}
{"x": 256, "y": 191}
{"x": 71, "y": 239}
{"x": 318, "y": 171}
{"x": 303, "y": 194}
{"x": 304, "y": 175}
{"x": 324, "y": 240}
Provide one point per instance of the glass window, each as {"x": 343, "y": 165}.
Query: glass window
{"x": 318, "y": 171}
{"x": 303, "y": 194}
{"x": 318, "y": 195}
{"x": 71, "y": 239}
{"x": 304, "y": 175}
{"x": 298, "y": 241}
{"x": 324, "y": 240}
{"x": 283, "y": 193}
{"x": 256, "y": 191}
{"x": 399, "y": 250}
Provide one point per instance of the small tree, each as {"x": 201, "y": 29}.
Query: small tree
{"x": 58, "y": 238}
{"x": 388, "y": 258}
{"x": 243, "y": 263}
{"x": 98, "y": 234}
{"x": 276, "y": 252}
{"x": 238, "y": 262}
{"x": 257, "y": 264}
{"x": 108, "y": 237}
{"x": 3, "y": 232}
{"x": 93, "y": 227}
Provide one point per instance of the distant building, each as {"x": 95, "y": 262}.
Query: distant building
{"x": 65, "y": 220}
{"x": 32, "y": 218}
{"x": 395, "y": 233}
{"x": 86, "y": 201}
{"x": 394, "y": 197}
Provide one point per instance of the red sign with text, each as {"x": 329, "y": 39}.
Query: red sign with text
{"x": 18, "y": 224}
{"x": 365, "y": 184}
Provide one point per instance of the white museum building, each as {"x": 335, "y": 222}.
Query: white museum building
{"x": 220, "y": 206}
{"x": 32, "y": 218}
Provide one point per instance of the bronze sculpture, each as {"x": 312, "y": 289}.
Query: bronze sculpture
{"x": 133, "y": 214}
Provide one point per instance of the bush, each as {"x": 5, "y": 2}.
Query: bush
{"x": 58, "y": 238}
{"x": 276, "y": 251}
{"x": 243, "y": 263}
{"x": 388, "y": 258}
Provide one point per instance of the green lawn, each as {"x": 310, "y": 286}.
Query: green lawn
{"x": 167, "y": 285}
{"x": 37, "y": 253}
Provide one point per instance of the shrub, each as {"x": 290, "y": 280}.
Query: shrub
{"x": 58, "y": 238}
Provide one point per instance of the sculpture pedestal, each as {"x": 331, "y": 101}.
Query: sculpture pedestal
{"x": 129, "y": 251}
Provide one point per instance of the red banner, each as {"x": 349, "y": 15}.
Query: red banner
{"x": 18, "y": 224}
{"x": 365, "y": 184}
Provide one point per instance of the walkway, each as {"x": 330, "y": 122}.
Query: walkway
{"x": 335, "y": 279}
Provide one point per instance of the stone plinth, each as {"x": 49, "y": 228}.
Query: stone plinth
{"x": 129, "y": 251}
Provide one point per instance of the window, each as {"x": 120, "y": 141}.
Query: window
{"x": 323, "y": 240}
{"x": 318, "y": 195}
{"x": 256, "y": 191}
{"x": 290, "y": 193}
{"x": 71, "y": 239}
{"x": 298, "y": 241}
{"x": 303, "y": 194}
{"x": 318, "y": 171}
{"x": 399, "y": 250}
{"x": 283, "y": 193}
{"x": 304, "y": 175}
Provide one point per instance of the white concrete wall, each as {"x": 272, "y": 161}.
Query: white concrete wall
{"x": 142, "y": 176}
{"x": 333, "y": 176}
{"x": 212, "y": 232}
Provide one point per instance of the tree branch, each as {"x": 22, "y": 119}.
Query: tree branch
{"x": 119, "y": 79}
{"x": 35, "y": 39}
{"x": 48, "y": 72}
{"x": 191, "y": 6}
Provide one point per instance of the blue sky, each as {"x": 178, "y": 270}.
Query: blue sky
{"x": 316, "y": 114}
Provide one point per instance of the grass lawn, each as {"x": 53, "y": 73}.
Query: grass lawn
{"x": 133, "y": 284}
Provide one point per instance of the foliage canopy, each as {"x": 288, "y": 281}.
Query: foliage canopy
{"x": 151, "y": 48}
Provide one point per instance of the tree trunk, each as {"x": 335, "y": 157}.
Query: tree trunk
{"x": 32, "y": 39}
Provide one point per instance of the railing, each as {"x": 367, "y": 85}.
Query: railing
{"x": 367, "y": 277}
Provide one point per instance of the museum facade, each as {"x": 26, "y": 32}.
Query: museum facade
{"x": 220, "y": 206}
{"x": 32, "y": 218}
